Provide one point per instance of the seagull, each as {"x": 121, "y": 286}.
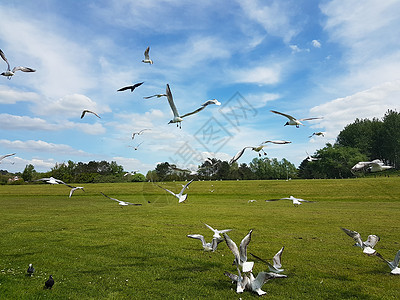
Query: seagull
{"x": 137, "y": 147}
{"x": 177, "y": 118}
{"x": 296, "y": 201}
{"x": 139, "y": 132}
{"x": 180, "y": 196}
{"x": 217, "y": 233}
{"x": 130, "y": 173}
{"x": 318, "y": 134}
{"x": 368, "y": 245}
{"x": 120, "y": 202}
{"x": 393, "y": 265}
{"x": 89, "y": 111}
{"x": 310, "y": 158}
{"x": 373, "y": 166}
{"x": 207, "y": 246}
{"x": 240, "y": 255}
{"x": 49, "y": 283}
{"x": 156, "y": 95}
{"x": 73, "y": 189}
{"x": 277, "y": 265}
{"x": 252, "y": 200}
{"x": 292, "y": 120}
{"x": 147, "y": 57}
{"x": 52, "y": 180}
{"x": 130, "y": 87}
{"x": 10, "y": 73}
{"x": 4, "y": 156}
{"x": 257, "y": 149}
{"x": 30, "y": 270}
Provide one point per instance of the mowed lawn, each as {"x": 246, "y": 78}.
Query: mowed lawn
{"x": 96, "y": 249}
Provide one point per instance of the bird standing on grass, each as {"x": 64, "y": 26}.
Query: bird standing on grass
{"x": 30, "y": 270}
{"x": 49, "y": 283}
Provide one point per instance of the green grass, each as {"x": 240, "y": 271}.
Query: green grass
{"x": 96, "y": 249}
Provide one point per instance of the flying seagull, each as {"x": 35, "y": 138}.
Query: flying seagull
{"x": 73, "y": 189}
{"x": 156, "y": 95}
{"x": 256, "y": 149}
{"x": 296, "y": 201}
{"x": 373, "y": 166}
{"x": 310, "y": 158}
{"x": 4, "y": 156}
{"x": 180, "y": 196}
{"x": 10, "y": 73}
{"x": 217, "y": 233}
{"x": 120, "y": 202}
{"x": 52, "y": 180}
{"x": 207, "y": 246}
{"x": 130, "y": 87}
{"x": 393, "y": 265}
{"x": 276, "y": 265}
{"x": 177, "y": 118}
{"x": 30, "y": 270}
{"x": 368, "y": 245}
{"x": 89, "y": 111}
{"x": 317, "y": 134}
{"x": 292, "y": 120}
{"x": 137, "y": 147}
{"x": 241, "y": 253}
{"x": 49, "y": 283}
{"x": 147, "y": 57}
{"x": 138, "y": 133}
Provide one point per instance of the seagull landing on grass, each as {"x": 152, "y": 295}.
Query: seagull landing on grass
{"x": 178, "y": 118}
{"x": 73, "y": 189}
{"x": 393, "y": 265}
{"x": 257, "y": 149}
{"x": 292, "y": 120}
{"x": 207, "y": 246}
{"x": 296, "y": 201}
{"x": 138, "y": 133}
{"x": 368, "y": 245}
{"x": 10, "y": 73}
{"x": 147, "y": 57}
{"x": 181, "y": 197}
{"x": 130, "y": 87}
{"x": 217, "y": 233}
{"x": 4, "y": 156}
{"x": 89, "y": 111}
{"x": 241, "y": 252}
{"x": 120, "y": 202}
{"x": 276, "y": 267}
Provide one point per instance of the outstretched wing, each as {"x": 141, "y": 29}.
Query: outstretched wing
{"x": 232, "y": 246}
{"x": 171, "y": 101}
{"x": 307, "y": 119}
{"x": 243, "y": 246}
{"x": 186, "y": 185}
{"x": 146, "y": 53}
{"x": 372, "y": 240}
{"x": 7, "y": 155}
{"x": 277, "y": 259}
{"x": 208, "y": 102}
{"x": 172, "y": 193}
{"x": 238, "y": 155}
{"x": 282, "y": 114}
{"x": 354, "y": 234}
{"x": 23, "y": 69}
{"x": 198, "y": 237}
{"x": 3, "y": 56}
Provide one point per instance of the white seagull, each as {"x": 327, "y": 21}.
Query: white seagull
{"x": 310, "y": 158}
{"x": 73, "y": 189}
{"x": 52, "y": 180}
{"x": 293, "y": 120}
{"x": 217, "y": 233}
{"x": 318, "y": 134}
{"x": 89, "y": 111}
{"x": 139, "y": 132}
{"x": 393, "y": 265}
{"x": 10, "y": 73}
{"x": 181, "y": 197}
{"x": 256, "y": 149}
{"x": 373, "y": 166}
{"x": 137, "y": 147}
{"x": 156, "y": 95}
{"x": 276, "y": 265}
{"x": 368, "y": 245}
{"x": 177, "y": 118}
{"x": 296, "y": 201}
{"x": 147, "y": 57}
{"x": 4, "y": 156}
{"x": 207, "y": 246}
{"x": 30, "y": 270}
{"x": 120, "y": 202}
{"x": 240, "y": 255}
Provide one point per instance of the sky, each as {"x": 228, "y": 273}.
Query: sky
{"x": 338, "y": 60}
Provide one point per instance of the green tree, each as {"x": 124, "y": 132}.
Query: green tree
{"x": 28, "y": 173}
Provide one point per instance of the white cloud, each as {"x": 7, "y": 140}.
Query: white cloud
{"x": 257, "y": 75}
{"x": 132, "y": 164}
{"x": 316, "y": 43}
{"x": 296, "y": 49}
{"x": 11, "y": 96}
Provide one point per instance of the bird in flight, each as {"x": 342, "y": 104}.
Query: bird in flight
{"x": 241, "y": 252}
{"x": 89, "y": 111}
{"x": 120, "y": 202}
{"x": 137, "y": 147}
{"x": 130, "y": 87}
{"x": 318, "y": 134}
{"x": 74, "y": 188}
{"x": 177, "y": 118}
{"x": 393, "y": 265}
{"x": 139, "y": 132}
{"x": 368, "y": 245}
{"x": 293, "y": 120}
{"x": 276, "y": 265}
{"x": 9, "y": 73}
{"x": 156, "y": 95}
{"x": 4, "y": 156}
{"x": 181, "y": 197}
{"x": 206, "y": 246}
{"x": 147, "y": 57}
{"x": 296, "y": 201}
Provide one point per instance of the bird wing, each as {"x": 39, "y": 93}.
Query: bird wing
{"x": 3, "y": 56}
{"x": 193, "y": 112}
{"x": 136, "y": 204}
{"x": 111, "y": 198}
{"x": 233, "y": 277}
{"x": 156, "y": 95}
{"x": 238, "y": 155}
{"x": 269, "y": 200}
{"x": 372, "y": 240}
{"x": 277, "y": 259}
{"x": 197, "y": 236}
{"x": 137, "y": 84}
{"x": 243, "y": 246}
{"x": 277, "y": 142}
{"x": 23, "y": 69}
{"x": 71, "y": 192}
{"x": 354, "y": 234}
{"x": 141, "y": 131}
{"x": 307, "y": 119}
{"x": 171, "y": 101}
{"x": 186, "y": 185}
{"x": 232, "y": 246}
{"x": 395, "y": 262}
{"x": 208, "y": 226}
{"x": 172, "y": 193}
{"x": 282, "y": 114}
{"x": 125, "y": 88}
{"x": 89, "y": 111}
{"x": 7, "y": 155}
{"x": 208, "y": 102}
{"x": 146, "y": 53}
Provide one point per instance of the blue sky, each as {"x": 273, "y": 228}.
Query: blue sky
{"x": 339, "y": 60}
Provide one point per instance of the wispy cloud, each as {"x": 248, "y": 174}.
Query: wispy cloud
{"x": 12, "y": 96}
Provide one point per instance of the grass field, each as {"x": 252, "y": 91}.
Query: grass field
{"x": 96, "y": 249}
